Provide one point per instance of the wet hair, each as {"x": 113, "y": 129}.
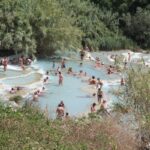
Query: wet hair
{"x": 47, "y": 72}
{"x": 67, "y": 114}
{"x": 93, "y": 77}
{"x": 62, "y": 103}
{"x": 59, "y": 105}
{"x": 94, "y": 104}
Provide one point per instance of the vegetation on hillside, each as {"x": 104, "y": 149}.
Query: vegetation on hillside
{"x": 135, "y": 99}
{"x": 133, "y": 18}
{"x": 35, "y": 26}
{"x": 29, "y": 129}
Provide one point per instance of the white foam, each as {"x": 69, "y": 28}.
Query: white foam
{"x": 11, "y": 67}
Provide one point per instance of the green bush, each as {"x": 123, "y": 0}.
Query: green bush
{"x": 27, "y": 128}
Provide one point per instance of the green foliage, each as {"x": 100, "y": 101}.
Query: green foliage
{"x": 137, "y": 98}
{"x": 100, "y": 28}
{"x": 34, "y": 25}
{"x": 130, "y": 17}
{"x": 138, "y": 27}
{"x": 137, "y": 90}
{"x": 27, "y": 128}
{"x": 42, "y": 27}
{"x": 15, "y": 30}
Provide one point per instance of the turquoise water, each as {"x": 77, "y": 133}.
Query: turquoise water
{"x": 24, "y": 80}
{"x": 76, "y": 100}
{"x": 10, "y": 73}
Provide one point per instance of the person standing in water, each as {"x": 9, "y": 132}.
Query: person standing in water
{"x": 125, "y": 64}
{"x": 93, "y": 108}
{"x": 99, "y": 95}
{"x": 82, "y": 54}
{"x": 60, "y": 111}
{"x": 21, "y": 62}
{"x": 53, "y": 66}
{"x": 99, "y": 83}
{"x": 5, "y": 63}
{"x": 129, "y": 57}
{"x": 63, "y": 65}
{"x": 60, "y": 78}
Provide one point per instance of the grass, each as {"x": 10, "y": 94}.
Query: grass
{"x": 27, "y": 129}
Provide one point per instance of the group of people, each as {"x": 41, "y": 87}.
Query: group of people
{"x": 100, "y": 95}
{"x": 60, "y": 111}
{"x": 14, "y": 90}
{"x": 39, "y": 92}
{"x": 21, "y": 61}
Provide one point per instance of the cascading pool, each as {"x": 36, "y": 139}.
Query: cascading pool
{"x": 76, "y": 94}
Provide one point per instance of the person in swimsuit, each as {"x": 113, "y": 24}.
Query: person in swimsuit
{"x": 99, "y": 83}
{"x": 63, "y": 65}
{"x": 21, "y": 62}
{"x": 93, "y": 80}
{"x": 35, "y": 96}
{"x": 5, "y": 63}
{"x": 99, "y": 95}
{"x": 129, "y": 57}
{"x": 53, "y": 66}
{"x": 82, "y": 54}
{"x": 60, "y": 111}
{"x": 60, "y": 79}
{"x": 93, "y": 108}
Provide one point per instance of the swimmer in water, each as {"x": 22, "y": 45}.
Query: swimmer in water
{"x": 70, "y": 70}
{"x": 99, "y": 95}
{"x": 60, "y": 79}
{"x": 93, "y": 108}
{"x": 35, "y": 96}
{"x": 60, "y": 112}
{"x": 5, "y": 63}
{"x": 53, "y": 66}
{"x": 82, "y": 54}
{"x": 21, "y": 62}
{"x": 63, "y": 65}
{"x": 67, "y": 116}
{"x": 99, "y": 83}
{"x": 129, "y": 57}
{"x": 93, "y": 80}
{"x": 12, "y": 91}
